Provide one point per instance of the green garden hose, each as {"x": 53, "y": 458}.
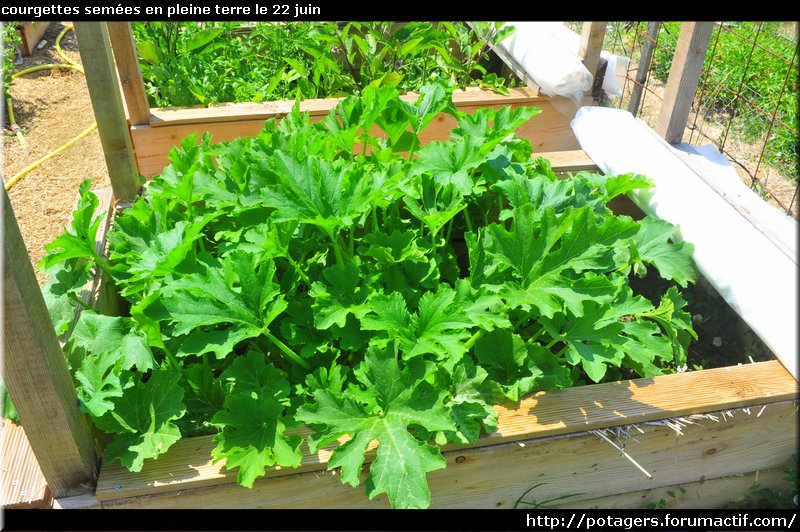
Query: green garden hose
{"x": 69, "y": 64}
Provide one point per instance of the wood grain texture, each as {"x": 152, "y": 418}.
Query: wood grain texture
{"x": 701, "y": 494}
{"x": 548, "y": 131}
{"x": 22, "y": 484}
{"x": 684, "y": 74}
{"x": 591, "y": 44}
{"x": 101, "y": 79}
{"x": 496, "y": 476}
{"x": 569, "y": 161}
{"x": 36, "y": 374}
{"x": 233, "y": 112}
{"x": 130, "y": 73}
{"x": 30, "y": 34}
{"x": 188, "y": 463}
{"x": 644, "y": 67}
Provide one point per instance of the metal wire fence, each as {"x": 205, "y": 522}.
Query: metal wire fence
{"x": 746, "y": 102}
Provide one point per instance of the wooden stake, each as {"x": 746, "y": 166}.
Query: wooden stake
{"x": 130, "y": 74}
{"x": 683, "y": 77}
{"x": 644, "y": 66}
{"x": 101, "y": 78}
{"x": 35, "y": 372}
{"x": 591, "y": 44}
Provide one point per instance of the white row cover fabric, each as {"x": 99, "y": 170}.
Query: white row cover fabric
{"x": 548, "y": 51}
{"x": 752, "y": 274}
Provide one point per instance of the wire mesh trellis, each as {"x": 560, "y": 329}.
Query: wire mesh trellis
{"x": 745, "y": 103}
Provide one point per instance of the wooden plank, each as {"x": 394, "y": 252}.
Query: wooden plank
{"x": 88, "y": 501}
{"x": 232, "y": 112}
{"x": 22, "y": 483}
{"x": 36, "y": 375}
{"x": 644, "y": 67}
{"x": 591, "y": 44}
{"x": 683, "y": 77}
{"x": 30, "y": 34}
{"x": 548, "y": 131}
{"x": 496, "y": 476}
{"x": 101, "y": 79}
{"x": 130, "y": 74}
{"x": 188, "y": 463}
{"x": 569, "y": 161}
{"x": 701, "y": 494}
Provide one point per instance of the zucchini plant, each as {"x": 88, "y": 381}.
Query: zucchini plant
{"x": 362, "y": 284}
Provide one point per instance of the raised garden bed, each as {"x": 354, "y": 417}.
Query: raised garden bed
{"x": 30, "y": 34}
{"x": 737, "y": 420}
{"x": 678, "y": 430}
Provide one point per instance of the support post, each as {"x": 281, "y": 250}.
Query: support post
{"x": 683, "y": 77}
{"x": 101, "y": 78}
{"x": 591, "y": 44}
{"x": 130, "y": 74}
{"x": 36, "y": 374}
{"x": 644, "y": 66}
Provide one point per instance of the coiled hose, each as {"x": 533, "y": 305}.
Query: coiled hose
{"x": 69, "y": 64}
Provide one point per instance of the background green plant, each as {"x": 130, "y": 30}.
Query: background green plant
{"x": 9, "y": 40}
{"x": 726, "y": 73}
{"x": 197, "y": 63}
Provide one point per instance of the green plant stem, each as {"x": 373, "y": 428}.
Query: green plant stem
{"x": 72, "y": 297}
{"x": 467, "y": 220}
{"x": 350, "y": 66}
{"x": 299, "y": 270}
{"x": 291, "y": 355}
{"x": 553, "y": 342}
{"x": 474, "y": 338}
{"x": 449, "y": 230}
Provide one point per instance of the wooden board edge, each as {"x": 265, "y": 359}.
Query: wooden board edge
{"x": 559, "y": 413}
{"x": 498, "y": 475}
{"x": 86, "y": 501}
{"x": 233, "y": 112}
{"x": 699, "y": 494}
{"x": 23, "y": 484}
{"x": 30, "y": 35}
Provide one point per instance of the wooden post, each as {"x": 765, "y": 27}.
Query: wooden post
{"x": 644, "y": 66}
{"x": 101, "y": 78}
{"x": 683, "y": 77}
{"x": 36, "y": 374}
{"x": 130, "y": 74}
{"x": 591, "y": 44}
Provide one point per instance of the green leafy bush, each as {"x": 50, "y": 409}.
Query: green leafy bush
{"x": 190, "y": 63}
{"x": 364, "y": 285}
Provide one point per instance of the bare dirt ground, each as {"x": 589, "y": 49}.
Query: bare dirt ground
{"x": 51, "y": 107}
{"x": 743, "y": 155}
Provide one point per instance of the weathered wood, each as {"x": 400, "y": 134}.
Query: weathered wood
{"x": 22, "y": 484}
{"x": 644, "y": 67}
{"x": 35, "y": 372}
{"x": 88, "y": 501}
{"x": 591, "y": 44}
{"x": 548, "y": 131}
{"x": 101, "y": 79}
{"x": 232, "y": 112}
{"x": 30, "y": 34}
{"x": 188, "y": 463}
{"x": 687, "y": 64}
{"x": 103, "y": 295}
{"x": 701, "y": 494}
{"x": 496, "y": 476}
{"x": 130, "y": 74}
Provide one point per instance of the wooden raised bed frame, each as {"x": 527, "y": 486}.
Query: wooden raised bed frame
{"x": 738, "y": 423}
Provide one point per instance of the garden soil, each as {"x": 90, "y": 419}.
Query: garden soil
{"x": 51, "y": 107}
